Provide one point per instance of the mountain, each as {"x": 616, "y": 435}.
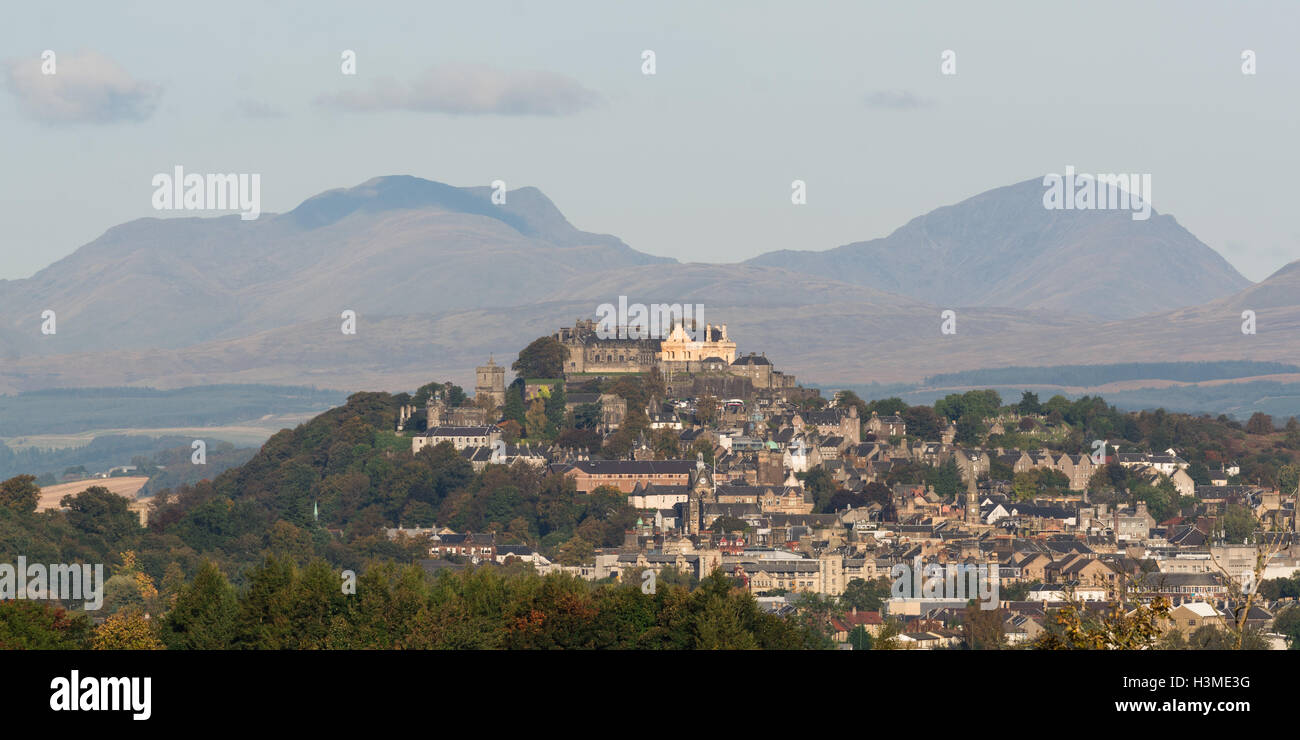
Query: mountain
{"x": 441, "y": 278}
{"x": 1003, "y": 248}
{"x": 392, "y": 245}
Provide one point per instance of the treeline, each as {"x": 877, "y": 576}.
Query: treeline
{"x": 287, "y": 607}
{"x": 1094, "y": 375}
{"x": 102, "y": 453}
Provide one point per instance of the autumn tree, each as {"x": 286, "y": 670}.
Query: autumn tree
{"x": 125, "y": 631}
{"x": 1259, "y": 423}
{"x": 20, "y": 493}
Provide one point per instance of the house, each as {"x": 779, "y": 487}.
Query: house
{"x": 504, "y": 454}
{"x": 520, "y": 552}
{"x": 459, "y": 437}
{"x": 470, "y": 545}
{"x": 927, "y": 640}
{"x": 625, "y": 475}
{"x": 871, "y": 621}
{"x": 1191, "y": 616}
{"x": 885, "y": 427}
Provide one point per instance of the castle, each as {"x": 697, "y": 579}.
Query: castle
{"x": 680, "y": 353}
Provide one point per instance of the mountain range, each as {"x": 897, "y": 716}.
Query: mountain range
{"x": 440, "y": 277}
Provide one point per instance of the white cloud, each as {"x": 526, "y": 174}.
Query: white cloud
{"x": 86, "y": 88}
{"x": 472, "y": 90}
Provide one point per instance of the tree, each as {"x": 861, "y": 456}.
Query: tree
{"x": 706, "y": 409}
{"x": 922, "y": 423}
{"x": 946, "y": 478}
{"x": 579, "y": 439}
{"x": 703, "y": 448}
{"x": 514, "y": 407}
{"x": 860, "y": 638}
{"x": 865, "y": 595}
{"x": 555, "y": 408}
{"x": 969, "y": 428}
{"x": 1118, "y": 628}
{"x": 728, "y": 524}
{"x": 35, "y": 625}
{"x": 1287, "y": 624}
{"x": 1029, "y": 404}
{"x": 125, "y": 631}
{"x": 982, "y": 628}
{"x": 586, "y": 416}
{"x": 20, "y": 493}
{"x": 892, "y": 406}
{"x": 99, "y": 511}
{"x": 544, "y": 358}
{"x": 535, "y": 419}
{"x": 819, "y": 483}
{"x": 665, "y": 444}
{"x": 203, "y": 617}
{"x": 1260, "y": 423}
{"x": 1238, "y": 523}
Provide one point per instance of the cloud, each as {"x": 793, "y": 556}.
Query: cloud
{"x": 896, "y": 100}
{"x": 251, "y": 108}
{"x": 85, "y": 88}
{"x": 472, "y": 90}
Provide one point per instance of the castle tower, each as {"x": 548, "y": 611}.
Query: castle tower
{"x": 490, "y": 383}
{"x": 700, "y": 491}
{"x": 435, "y": 411}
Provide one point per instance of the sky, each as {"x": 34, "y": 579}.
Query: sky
{"x": 693, "y": 162}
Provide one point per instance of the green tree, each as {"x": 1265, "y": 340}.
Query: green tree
{"x": 865, "y": 595}
{"x": 544, "y": 358}
{"x": 1029, "y": 403}
{"x": 514, "y": 409}
{"x": 204, "y": 615}
{"x": 35, "y": 625}
{"x": 860, "y": 638}
{"x": 1238, "y": 523}
{"x": 555, "y": 409}
{"x": 99, "y": 511}
{"x": 1287, "y": 623}
{"x": 946, "y": 478}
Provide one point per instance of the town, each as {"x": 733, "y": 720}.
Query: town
{"x": 732, "y": 466}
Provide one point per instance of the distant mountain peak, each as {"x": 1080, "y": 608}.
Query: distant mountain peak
{"x": 395, "y": 192}
{"x": 1004, "y": 248}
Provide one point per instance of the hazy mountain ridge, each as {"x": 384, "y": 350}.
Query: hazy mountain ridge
{"x": 1003, "y": 248}
{"x": 440, "y": 280}
{"x": 393, "y": 245}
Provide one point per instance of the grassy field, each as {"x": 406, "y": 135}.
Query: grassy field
{"x": 125, "y": 486}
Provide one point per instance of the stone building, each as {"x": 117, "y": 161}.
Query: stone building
{"x": 490, "y": 383}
